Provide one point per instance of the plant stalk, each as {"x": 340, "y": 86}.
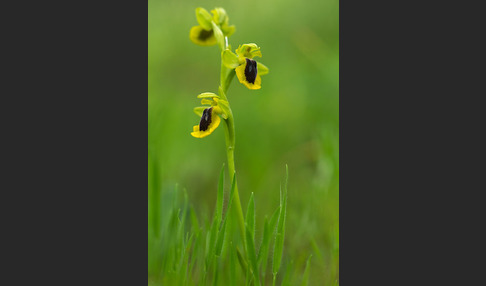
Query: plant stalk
{"x": 229, "y": 129}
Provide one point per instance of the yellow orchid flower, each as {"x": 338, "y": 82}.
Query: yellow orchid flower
{"x": 210, "y": 119}
{"x": 248, "y": 70}
{"x": 204, "y": 33}
{"x": 209, "y": 122}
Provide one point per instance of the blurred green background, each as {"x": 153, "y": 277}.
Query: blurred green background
{"x": 293, "y": 119}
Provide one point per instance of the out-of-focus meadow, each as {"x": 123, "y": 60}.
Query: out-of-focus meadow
{"x": 293, "y": 119}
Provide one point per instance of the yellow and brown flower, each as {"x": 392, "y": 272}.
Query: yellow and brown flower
{"x": 248, "y": 70}
{"x": 210, "y": 119}
{"x": 204, "y": 33}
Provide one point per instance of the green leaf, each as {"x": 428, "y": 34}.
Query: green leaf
{"x": 230, "y": 59}
{"x": 262, "y": 69}
{"x": 268, "y": 232}
{"x": 274, "y": 219}
{"x": 221, "y": 232}
{"x": 279, "y": 239}
{"x": 288, "y": 275}
{"x": 305, "y": 280}
{"x": 265, "y": 240}
{"x": 232, "y": 265}
{"x": 220, "y": 240}
{"x": 241, "y": 260}
{"x": 250, "y": 237}
{"x": 232, "y": 192}
{"x": 206, "y": 250}
{"x": 250, "y": 247}
{"x": 185, "y": 259}
{"x": 194, "y": 221}
{"x": 204, "y": 18}
{"x": 212, "y": 242}
{"x": 250, "y": 216}
{"x": 219, "y": 202}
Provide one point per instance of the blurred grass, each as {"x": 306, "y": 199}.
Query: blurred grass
{"x": 293, "y": 119}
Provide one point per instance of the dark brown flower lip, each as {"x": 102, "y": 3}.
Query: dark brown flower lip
{"x": 251, "y": 70}
{"x": 204, "y": 35}
{"x": 205, "y": 119}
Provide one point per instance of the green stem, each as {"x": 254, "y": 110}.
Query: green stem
{"x": 229, "y": 129}
{"x": 230, "y": 148}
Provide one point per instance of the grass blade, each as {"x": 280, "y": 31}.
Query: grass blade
{"x": 250, "y": 238}
{"x": 268, "y": 231}
{"x": 221, "y": 233}
{"x": 185, "y": 260}
{"x": 232, "y": 265}
{"x": 305, "y": 280}
{"x": 288, "y": 274}
{"x": 194, "y": 220}
{"x": 250, "y": 246}
{"x": 279, "y": 239}
{"x": 212, "y": 235}
{"x": 219, "y": 241}
{"x": 250, "y": 217}
{"x": 241, "y": 260}
{"x": 219, "y": 202}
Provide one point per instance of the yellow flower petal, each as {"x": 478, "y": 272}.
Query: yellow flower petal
{"x": 240, "y": 73}
{"x": 215, "y": 120}
{"x": 202, "y": 37}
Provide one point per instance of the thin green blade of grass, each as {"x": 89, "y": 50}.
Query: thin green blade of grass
{"x": 182, "y": 220}
{"x": 185, "y": 260}
{"x": 241, "y": 260}
{"x": 221, "y": 233}
{"x": 194, "y": 220}
{"x": 288, "y": 274}
{"x": 215, "y": 273}
{"x": 265, "y": 240}
{"x": 249, "y": 277}
{"x": 217, "y": 235}
{"x": 250, "y": 217}
{"x": 170, "y": 257}
{"x": 305, "y": 279}
{"x": 263, "y": 251}
{"x": 219, "y": 242}
{"x": 250, "y": 246}
{"x": 268, "y": 231}
{"x": 155, "y": 197}
{"x": 213, "y": 232}
{"x": 279, "y": 239}
{"x": 232, "y": 265}
{"x": 219, "y": 202}
{"x": 206, "y": 250}
{"x": 197, "y": 257}
{"x": 250, "y": 238}
{"x": 316, "y": 248}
